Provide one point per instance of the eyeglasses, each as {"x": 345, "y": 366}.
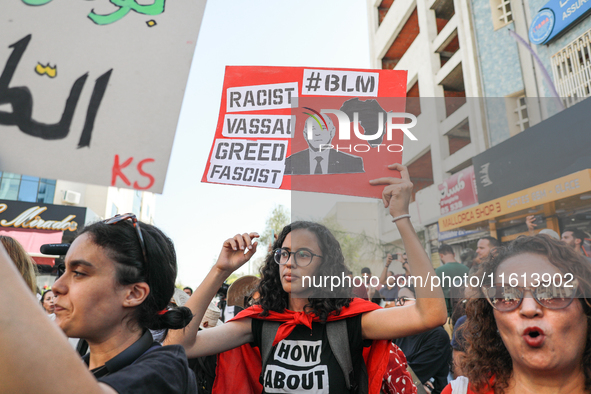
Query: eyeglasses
{"x": 509, "y": 298}
{"x": 303, "y": 257}
{"x": 402, "y": 300}
{"x": 136, "y": 224}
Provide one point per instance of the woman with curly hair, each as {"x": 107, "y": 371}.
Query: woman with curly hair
{"x": 529, "y": 333}
{"x": 119, "y": 278}
{"x": 302, "y": 359}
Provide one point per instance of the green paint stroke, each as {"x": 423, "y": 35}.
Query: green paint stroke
{"x": 315, "y": 118}
{"x": 36, "y": 2}
{"x": 124, "y": 7}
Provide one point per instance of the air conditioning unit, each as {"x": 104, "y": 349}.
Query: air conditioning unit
{"x": 71, "y": 197}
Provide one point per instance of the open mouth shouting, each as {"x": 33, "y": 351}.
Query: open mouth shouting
{"x": 534, "y": 336}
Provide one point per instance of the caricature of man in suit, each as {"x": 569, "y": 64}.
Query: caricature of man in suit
{"x": 319, "y": 158}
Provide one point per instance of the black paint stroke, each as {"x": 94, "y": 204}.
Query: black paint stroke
{"x": 100, "y": 86}
{"x": 21, "y": 101}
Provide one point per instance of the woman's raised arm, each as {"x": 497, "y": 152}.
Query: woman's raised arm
{"x": 235, "y": 252}
{"x": 430, "y": 310}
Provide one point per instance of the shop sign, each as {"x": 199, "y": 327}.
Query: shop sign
{"x": 570, "y": 185}
{"x": 16, "y": 214}
{"x": 446, "y": 235}
{"x": 555, "y": 17}
{"x": 458, "y": 191}
{"x": 541, "y": 26}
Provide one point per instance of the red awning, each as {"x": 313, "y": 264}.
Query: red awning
{"x": 44, "y": 260}
{"x": 33, "y": 239}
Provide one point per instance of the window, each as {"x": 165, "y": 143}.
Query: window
{"x": 521, "y": 111}
{"x": 26, "y": 188}
{"x": 9, "y": 186}
{"x": 517, "y": 115}
{"x": 46, "y": 191}
{"x": 571, "y": 67}
{"x": 501, "y": 13}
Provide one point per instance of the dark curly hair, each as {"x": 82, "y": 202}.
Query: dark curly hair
{"x": 121, "y": 243}
{"x": 324, "y": 302}
{"x": 486, "y": 355}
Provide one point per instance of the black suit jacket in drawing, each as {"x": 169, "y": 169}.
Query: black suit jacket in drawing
{"x": 338, "y": 163}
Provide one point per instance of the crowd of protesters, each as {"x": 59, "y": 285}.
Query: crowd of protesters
{"x": 141, "y": 335}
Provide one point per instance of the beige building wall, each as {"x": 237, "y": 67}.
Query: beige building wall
{"x": 440, "y": 73}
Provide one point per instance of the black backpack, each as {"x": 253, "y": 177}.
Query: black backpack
{"x": 204, "y": 368}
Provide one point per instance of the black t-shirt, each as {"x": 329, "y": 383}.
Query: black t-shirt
{"x": 304, "y": 362}
{"x": 429, "y": 355}
{"x": 163, "y": 369}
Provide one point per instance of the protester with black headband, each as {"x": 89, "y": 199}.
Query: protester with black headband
{"x": 118, "y": 280}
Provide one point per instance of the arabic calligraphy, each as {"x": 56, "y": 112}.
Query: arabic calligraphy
{"x": 21, "y": 101}
{"x": 36, "y": 2}
{"x": 125, "y": 6}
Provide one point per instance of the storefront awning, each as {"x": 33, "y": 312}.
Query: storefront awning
{"x": 557, "y": 189}
{"x": 35, "y": 224}
{"x": 554, "y": 148}
{"x": 31, "y": 240}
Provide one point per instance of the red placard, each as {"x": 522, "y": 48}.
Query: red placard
{"x": 294, "y": 128}
{"x": 458, "y": 191}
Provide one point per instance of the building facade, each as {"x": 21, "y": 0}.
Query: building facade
{"x": 487, "y": 94}
{"x": 37, "y": 211}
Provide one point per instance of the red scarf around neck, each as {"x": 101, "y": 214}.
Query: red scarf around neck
{"x": 238, "y": 370}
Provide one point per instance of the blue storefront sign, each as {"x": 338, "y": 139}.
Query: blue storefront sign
{"x": 446, "y": 235}
{"x": 555, "y": 17}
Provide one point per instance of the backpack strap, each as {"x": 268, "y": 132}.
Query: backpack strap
{"x": 268, "y": 335}
{"x": 338, "y": 339}
{"x": 416, "y": 381}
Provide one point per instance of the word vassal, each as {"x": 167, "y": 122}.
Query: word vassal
{"x": 244, "y": 126}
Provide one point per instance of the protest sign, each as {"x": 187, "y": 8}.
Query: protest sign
{"x": 309, "y": 129}
{"x": 91, "y": 91}
{"x": 458, "y": 191}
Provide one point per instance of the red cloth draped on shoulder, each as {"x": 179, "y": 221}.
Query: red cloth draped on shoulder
{"x": 238, "y": 370}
